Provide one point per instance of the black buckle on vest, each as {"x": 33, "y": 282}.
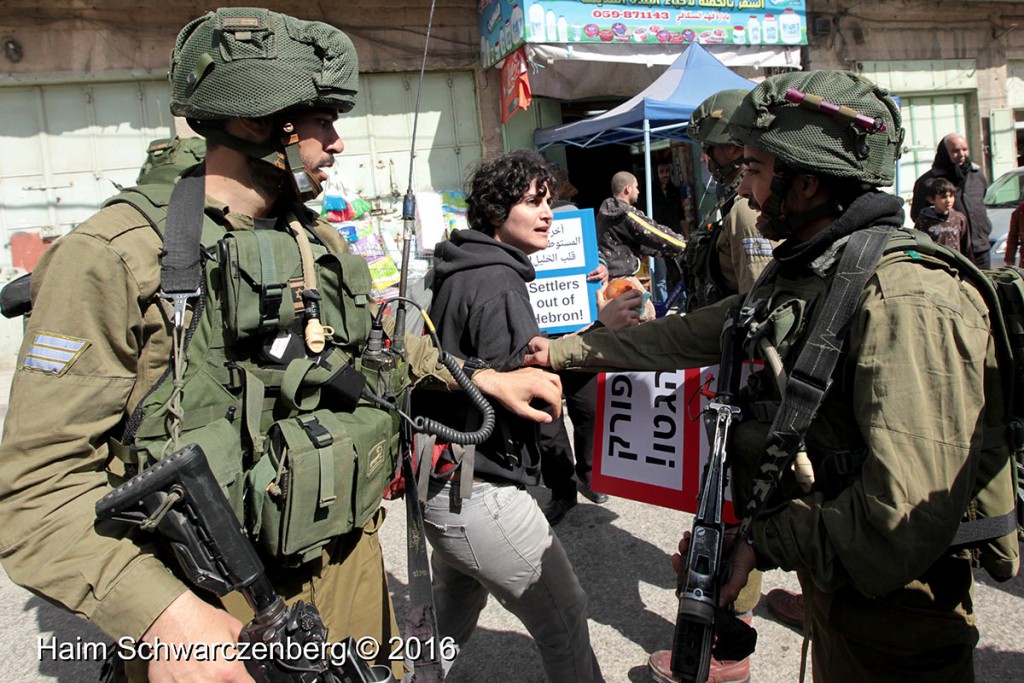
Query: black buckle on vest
{"x": 270, "y": 302}
{"x": 846, "y": 463}
{"x": 236, "y": 376}
{"x": 765, "y": 411}
{"x": 320, "y": 437}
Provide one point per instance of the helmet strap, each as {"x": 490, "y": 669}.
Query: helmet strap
{"x": 722, "y": 173}
{"x": 306, "y": 185}
{"x": 282, "y": 154}
{"x": 771, "y": 208}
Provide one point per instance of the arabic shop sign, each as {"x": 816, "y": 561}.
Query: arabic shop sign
{"x": 508, "y": 24}
{"x": 562, "y": 298}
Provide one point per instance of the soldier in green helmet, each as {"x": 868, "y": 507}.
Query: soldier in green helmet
{"x": 726, "y": 256}
{"x": 893, "y": 433}
{"x": 107, "y": 356}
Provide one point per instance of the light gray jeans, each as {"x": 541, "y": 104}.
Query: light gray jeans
{"x": 500, "y": 543}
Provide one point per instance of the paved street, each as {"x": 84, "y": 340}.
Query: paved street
{"x": 621, "y": 553}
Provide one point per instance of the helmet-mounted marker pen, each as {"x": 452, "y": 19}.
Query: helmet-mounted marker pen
{"x": 816, "y": 103}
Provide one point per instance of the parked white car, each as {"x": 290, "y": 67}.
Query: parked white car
{"x": 1001, "y": 198}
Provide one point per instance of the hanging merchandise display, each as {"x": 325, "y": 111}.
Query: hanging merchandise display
{"x": 515, "y": 85}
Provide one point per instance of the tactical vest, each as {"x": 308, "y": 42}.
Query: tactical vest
{"x": 787, "y": 310}
{"x": 300, "y": 455}
{"x": 702, "y": 273}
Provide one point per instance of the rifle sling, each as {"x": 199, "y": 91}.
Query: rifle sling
{"x": 180, "y": 268}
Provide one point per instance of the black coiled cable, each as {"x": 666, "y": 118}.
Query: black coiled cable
{"x": 426, "y": 425}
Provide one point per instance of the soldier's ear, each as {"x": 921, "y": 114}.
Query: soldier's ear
{"x": 253, "y": 129}
{"x": 807, "y": 185}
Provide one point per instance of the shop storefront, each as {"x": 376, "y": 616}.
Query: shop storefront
{"x": 583, "y": 58}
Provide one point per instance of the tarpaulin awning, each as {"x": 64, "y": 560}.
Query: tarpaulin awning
{"x": 660, "y": 111}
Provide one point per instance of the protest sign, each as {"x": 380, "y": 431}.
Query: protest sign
{"x": 562, "y": 299}
{"x": 650, "y": 443}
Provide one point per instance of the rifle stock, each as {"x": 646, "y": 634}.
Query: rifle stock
{"x": 180, "y": 499}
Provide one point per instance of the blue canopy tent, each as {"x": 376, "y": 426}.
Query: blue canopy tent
{"x": 659, "y": 112}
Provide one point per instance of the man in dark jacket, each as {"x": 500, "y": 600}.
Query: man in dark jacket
{"x": 953, "y": 162}
{"x": 624, "y": 233}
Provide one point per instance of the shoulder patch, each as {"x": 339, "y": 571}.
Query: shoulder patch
{"x": 52, "y": 353}
{"x": 757, "y": 246}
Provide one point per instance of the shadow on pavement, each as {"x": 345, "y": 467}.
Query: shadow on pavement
{"x": 71, "y": 634}
{"x": 1014, "y": 586}
{"x": 488, "y": 655}
{"x": 998, "y": 666}
{"x": 611, "y": 563}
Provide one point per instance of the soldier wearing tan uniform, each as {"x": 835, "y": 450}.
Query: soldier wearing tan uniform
{"x": 727, "y": 256}
{"x": 896, "y": 442}
{"x": 265, "y": 90}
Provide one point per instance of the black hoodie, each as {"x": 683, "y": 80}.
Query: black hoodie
{"x": 970, "y": 184}
{"x": 481, "y": 309}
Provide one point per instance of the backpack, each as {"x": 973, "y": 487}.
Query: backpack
{"x": 168, "y": 157}
{"x": 995, "y": 516}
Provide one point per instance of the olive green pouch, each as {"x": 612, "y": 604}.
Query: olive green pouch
{"x": 345, "y": 283}
{"x": 322, "y": 476}
{"x": 306, "y": 501}
{"x": 221, "y": 443}
{"x": 260, "y": 269}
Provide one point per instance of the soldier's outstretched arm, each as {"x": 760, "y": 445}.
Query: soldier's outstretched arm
{"x": 514, "y": 390}
{"x": 666, "y": 344}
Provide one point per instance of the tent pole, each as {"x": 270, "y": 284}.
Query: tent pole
{"x": 650, "y": 198}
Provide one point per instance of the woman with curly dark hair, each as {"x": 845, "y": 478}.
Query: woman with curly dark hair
{"x": 496, "y": 539}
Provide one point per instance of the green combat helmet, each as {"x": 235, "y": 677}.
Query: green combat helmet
{"x": 833, "y": 123}
{"x": 709, "y": 125}
{"x": 824, "y": 123}
{"x": 709, "y": 122}
{"x": 239, "y": 62}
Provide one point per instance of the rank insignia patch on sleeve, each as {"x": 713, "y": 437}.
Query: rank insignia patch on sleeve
{"x": 53, "y": 353}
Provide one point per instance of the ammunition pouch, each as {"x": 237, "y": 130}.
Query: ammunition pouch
{"x": 322, "y": 476}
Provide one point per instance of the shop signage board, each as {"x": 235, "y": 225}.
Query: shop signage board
{"x": 507, "y": 24}
{"x": 563, "y": 299}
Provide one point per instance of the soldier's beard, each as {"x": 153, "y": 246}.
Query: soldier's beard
{"x": 776, "y": 229}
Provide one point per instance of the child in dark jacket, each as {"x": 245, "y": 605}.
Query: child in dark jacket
{"x": 944, "y": 224}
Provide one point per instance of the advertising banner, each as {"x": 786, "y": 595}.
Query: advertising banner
{"x": 507, "y": 24}
{"x": 515, "y": 85}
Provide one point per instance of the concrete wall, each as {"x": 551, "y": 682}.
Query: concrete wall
{"x": 89, "y": 39}
{"x": 921, "y": 30}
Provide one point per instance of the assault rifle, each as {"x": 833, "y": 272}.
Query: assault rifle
{"x": 699, "y": 618}
{"x": 180, "y": 499}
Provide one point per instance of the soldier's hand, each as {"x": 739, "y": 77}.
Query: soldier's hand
{"x": 620, "y": 312}
{"x": 517, "y": 389}
{"x": 743, "y": 562}
{"x": 538, "y": 354}
{"x": 190, "y": 620}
